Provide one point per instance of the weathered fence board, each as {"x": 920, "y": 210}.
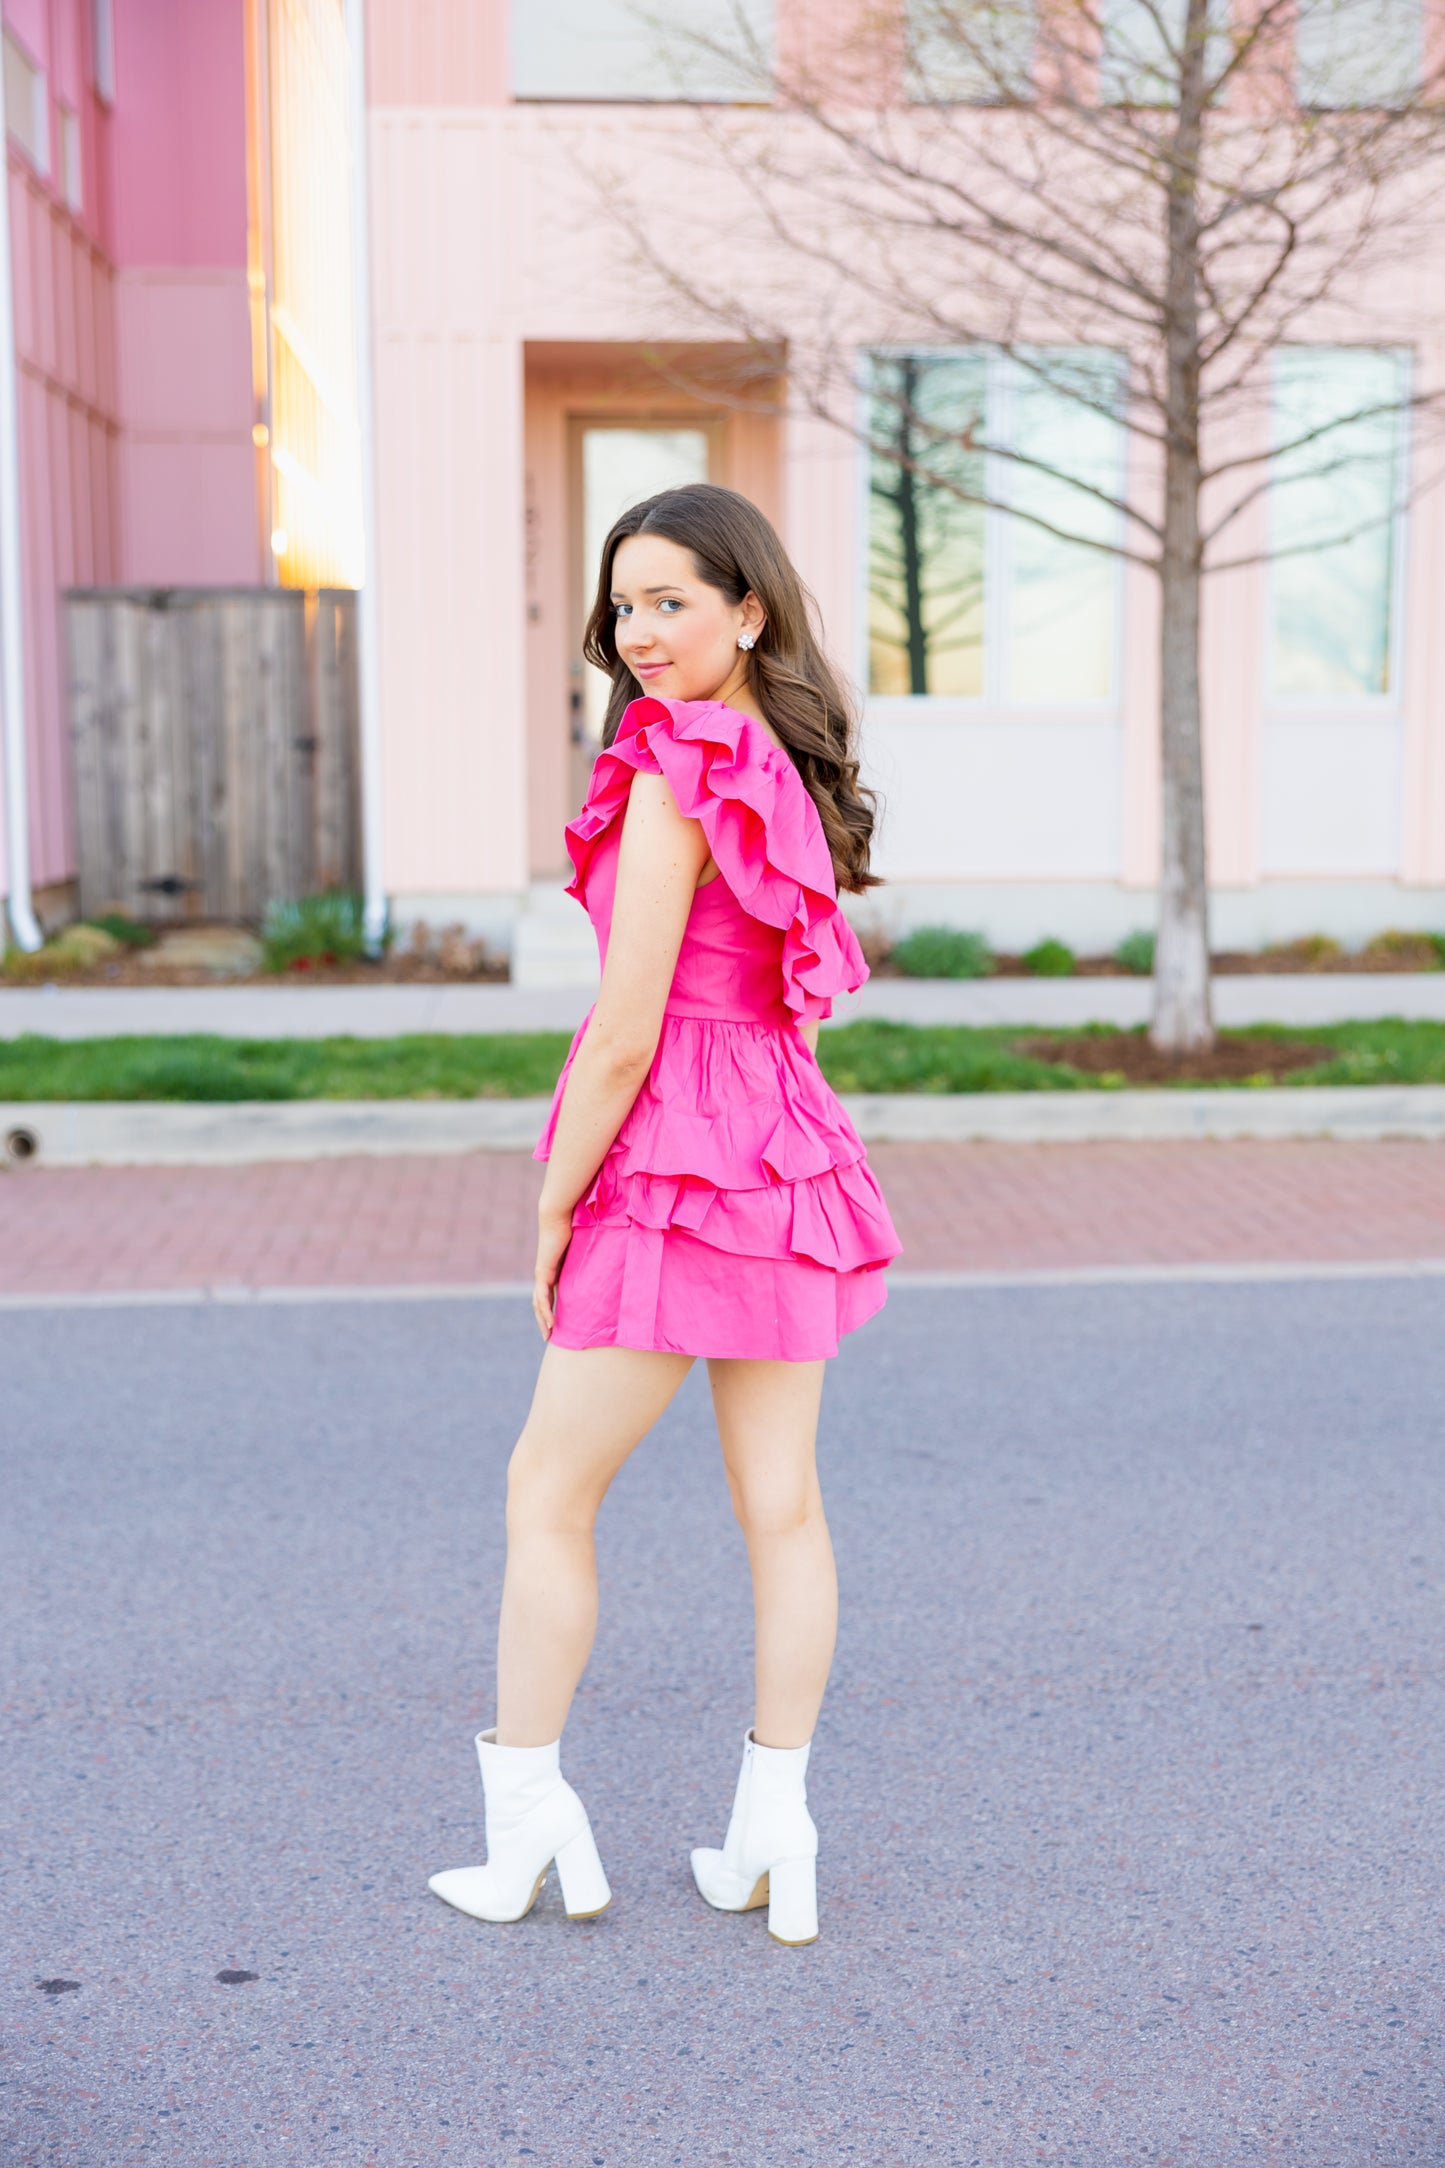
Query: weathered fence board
{"x": 215, "y": 747}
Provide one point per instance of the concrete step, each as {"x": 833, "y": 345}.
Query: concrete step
{"x": 553, "y": 944}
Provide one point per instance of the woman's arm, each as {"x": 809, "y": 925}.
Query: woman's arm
{"x": 661, "y": 855}
{"x": 808, "y": 1033}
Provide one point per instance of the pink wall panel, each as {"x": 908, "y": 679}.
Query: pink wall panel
{"x": 187, "y": 515}
{"x": 436, "y": 52}
{"x": 183, "y": 353}
{"x": 178, "y": 133}
{"x": 67, "y": 432}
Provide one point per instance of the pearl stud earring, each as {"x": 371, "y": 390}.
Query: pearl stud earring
{"x": 746, "y": 639}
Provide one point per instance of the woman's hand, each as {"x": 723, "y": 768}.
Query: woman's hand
{"x": 554, "y": 1232}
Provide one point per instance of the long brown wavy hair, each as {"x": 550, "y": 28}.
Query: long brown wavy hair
{"x": 735, "y": 549}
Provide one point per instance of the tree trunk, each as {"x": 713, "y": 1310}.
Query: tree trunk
{"x": 908, "y": 536}
{"x": 1182, "y": 1022}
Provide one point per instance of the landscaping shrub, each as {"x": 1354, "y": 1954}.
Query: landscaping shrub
{"x": 324, "y": 929}
{"x": 77, "y": 948}
{"x": 1050, "y": 960}
{"x": 1136, "y": 953}
{"x": 1312, "y": 952}
{"x": 1400, "y": 950}
{"x": 128, "y": 931}
{"x": 943, "y": 952}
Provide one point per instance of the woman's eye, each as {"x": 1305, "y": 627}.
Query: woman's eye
{"x": 622, "y": 609}
{"x": 669, "y": 602}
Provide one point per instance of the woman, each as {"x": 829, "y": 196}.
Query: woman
{"x": 705, "y": 1193}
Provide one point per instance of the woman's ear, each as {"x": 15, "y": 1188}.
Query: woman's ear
{"x": 753, "y": 616}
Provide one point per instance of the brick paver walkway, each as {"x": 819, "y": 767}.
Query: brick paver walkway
{"x": 418, "y": 1221}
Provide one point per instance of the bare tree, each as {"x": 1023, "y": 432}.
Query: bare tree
{"x": 1177, "y": 186}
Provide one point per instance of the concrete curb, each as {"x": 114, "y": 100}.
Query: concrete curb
{"x": 137, "y": 1134}
{"x": 372, "y": 1012}
{"x": 1247, "y": 1273}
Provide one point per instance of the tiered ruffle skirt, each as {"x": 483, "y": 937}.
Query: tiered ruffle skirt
{"x": 735, "y": 1213}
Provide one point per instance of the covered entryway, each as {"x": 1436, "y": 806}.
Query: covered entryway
{"x": 607, "y": 426}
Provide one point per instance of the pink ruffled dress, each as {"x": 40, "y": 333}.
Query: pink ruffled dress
{"x": 735, "y": 1213}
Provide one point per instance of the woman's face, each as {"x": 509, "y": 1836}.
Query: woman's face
{"x": 677, "y": 635}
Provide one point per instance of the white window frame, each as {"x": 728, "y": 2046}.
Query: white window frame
{"x": 995, "y": 701}
{"x": 1386, "y": 707}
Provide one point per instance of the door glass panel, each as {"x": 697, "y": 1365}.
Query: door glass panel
{"x": 925, "y": 529}
{"x": 619, "y": 468}
{"x": 1061, "y": 619}
{"x": 1336, "y": 489}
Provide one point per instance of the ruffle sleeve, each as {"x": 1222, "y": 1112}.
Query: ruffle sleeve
{"x": 762, "y": 829}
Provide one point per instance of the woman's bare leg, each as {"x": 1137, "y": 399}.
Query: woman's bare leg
{"x": 767, "y": 1419}
{"x": 591, "y": 1407}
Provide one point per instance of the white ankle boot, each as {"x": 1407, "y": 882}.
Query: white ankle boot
{"x": 533, "y": 1819}
{"x": 770, "y": 1852}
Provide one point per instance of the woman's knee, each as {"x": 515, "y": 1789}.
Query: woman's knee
{"x": 768, "y": 1509}
{"x": 544, "y": 1497}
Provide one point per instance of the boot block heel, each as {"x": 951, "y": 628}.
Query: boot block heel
{"x": 793, "y": 1901}
{"x": 585, "y": 1889}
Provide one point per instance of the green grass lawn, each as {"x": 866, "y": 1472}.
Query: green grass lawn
{"x": 866, "y": 1057}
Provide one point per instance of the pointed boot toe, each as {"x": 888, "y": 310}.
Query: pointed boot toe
{"x": 534, "y": 1820}
{"x": 724, "y": 1888}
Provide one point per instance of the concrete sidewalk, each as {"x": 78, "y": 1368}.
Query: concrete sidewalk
{"x": 431, "y": 1222}
{"x": 123, "y": 1133}
{"x": 312, "y": 1012}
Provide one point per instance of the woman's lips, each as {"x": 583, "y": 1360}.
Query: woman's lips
{"x": 649, "y": 669}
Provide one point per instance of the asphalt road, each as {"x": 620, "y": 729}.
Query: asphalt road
{"x": 1129, "y": 1781}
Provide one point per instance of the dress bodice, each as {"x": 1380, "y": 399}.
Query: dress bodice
{"x": 765, "y": 940}
{"x": 730, "y": 965}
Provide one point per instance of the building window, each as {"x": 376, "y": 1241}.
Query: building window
{"x": 698, "y": 51}
{"x": 27, "y": 106}
{"x": 1358, "y": 53}
{"x": 1006, "y": 601}
{"x": 102, "y": 25}
{"x": 1333, "y": 521}
{"x": 980, "y": 55}
{"x": 71, "y": 179}
{"x": 1141, "y": 45}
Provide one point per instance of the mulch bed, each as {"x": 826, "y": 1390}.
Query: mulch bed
{"x": 1129, "y": 1055}
{"x": 403, "y": 970}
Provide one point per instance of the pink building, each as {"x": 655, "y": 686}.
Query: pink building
{"x": 166, "y": 186}
{"x": 188, "y": 402}
{"x": 516, "y": 410}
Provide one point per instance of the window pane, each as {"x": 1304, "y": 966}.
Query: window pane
{"x": 699, "y": 50}
{"x": 1331, "y": 629}
{"x": 970, "y": 52}
{"x": 925, "y": 544}
{"x": 1062, "y": 593}
{"x": 26, "y": 105}
{"x": 1142, "y": 39}
{"x": 103, "y": 37}
{"x": 1357, "y": 52}
{"x": 619, "y": 468}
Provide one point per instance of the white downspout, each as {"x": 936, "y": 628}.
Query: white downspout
{"x": 12, "y": 608}
{"x": 368, "y": 654}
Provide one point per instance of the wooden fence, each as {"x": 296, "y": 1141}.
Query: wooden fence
{"x": 215, "y": 743}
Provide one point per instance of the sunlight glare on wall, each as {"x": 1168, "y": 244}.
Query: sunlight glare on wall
{"x": 314, "y": 440}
